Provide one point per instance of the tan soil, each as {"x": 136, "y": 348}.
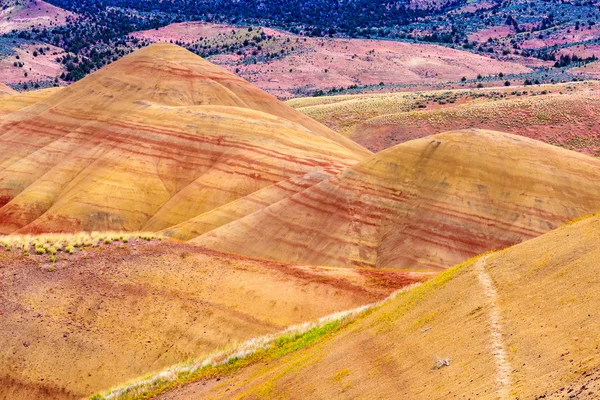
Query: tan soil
{"x": 105, "y": 315}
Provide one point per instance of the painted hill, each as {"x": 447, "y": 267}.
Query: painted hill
{"x": 150, "y": 141}
{"x": 110, "y": 307}
{"x": 244, "y": 206}
{"x": 520, "y": 323}
{"x": 11, "y": 103}
{"x": 425, "y": 204}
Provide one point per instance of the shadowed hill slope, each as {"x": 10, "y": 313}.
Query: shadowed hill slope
{"x": 150, "y": 141}
{"x": 18, "y": 101}
{"x": 110, "y": 312}
{"x": 244, "y": 206}
{"x": 425, "y": 204}
{"x": 521, "y": 323}
{"x": 5, "y": 90}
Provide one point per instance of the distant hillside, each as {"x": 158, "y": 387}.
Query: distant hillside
{"x": 32, "y": 65}
{"x": 27, "y": 14}
{"x": 563, "y": 114}
{"x": 502, "y": 28}
{"x": 150, "y": 141}
{"x": 313, "y": 16}
{"x": 287, "y": 65}
{"x": 552, "y": 38}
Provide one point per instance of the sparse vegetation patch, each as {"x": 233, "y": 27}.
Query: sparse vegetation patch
{"x": 49, "y": 245}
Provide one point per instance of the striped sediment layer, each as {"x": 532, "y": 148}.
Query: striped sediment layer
{"x": 244, "y": 206}
{"x": 150, "y": 141}
{"x": 423, "y": 205}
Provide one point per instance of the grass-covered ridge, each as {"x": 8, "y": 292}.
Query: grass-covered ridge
{"x": 228, "y": 361}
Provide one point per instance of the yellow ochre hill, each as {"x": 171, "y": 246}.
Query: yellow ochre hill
{"x": 150, "y": 141}
{"x": 11, "y": 103}
{"x": 426, "y": 204}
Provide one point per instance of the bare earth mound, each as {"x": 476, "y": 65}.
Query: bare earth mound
{"x": 521, "y": 323}
{"x": 106, "y": 314}
{"x": 18, "y": 101}
{"x": 150, "y": 141}
{"x": 425, "y": 204}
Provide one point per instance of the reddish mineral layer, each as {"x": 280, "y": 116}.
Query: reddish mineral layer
{"x": 426, "y": 204}
{"x": 150, "y": 141}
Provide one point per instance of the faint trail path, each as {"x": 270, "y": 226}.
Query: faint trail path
{"x": 495, "y": 320}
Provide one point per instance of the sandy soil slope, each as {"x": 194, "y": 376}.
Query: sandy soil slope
{"x": 103, "y": 315}
{"x": 520, "y": 323}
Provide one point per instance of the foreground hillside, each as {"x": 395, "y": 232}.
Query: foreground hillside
{"x": 150, "y": 141}
{"x": 82, "y": 313}
{"x": 520, "y": 323}
{"x": 425, "y": 204}
{"x": 562, "y": 114}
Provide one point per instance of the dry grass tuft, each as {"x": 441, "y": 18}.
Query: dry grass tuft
{"x": 52, "y": 243}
